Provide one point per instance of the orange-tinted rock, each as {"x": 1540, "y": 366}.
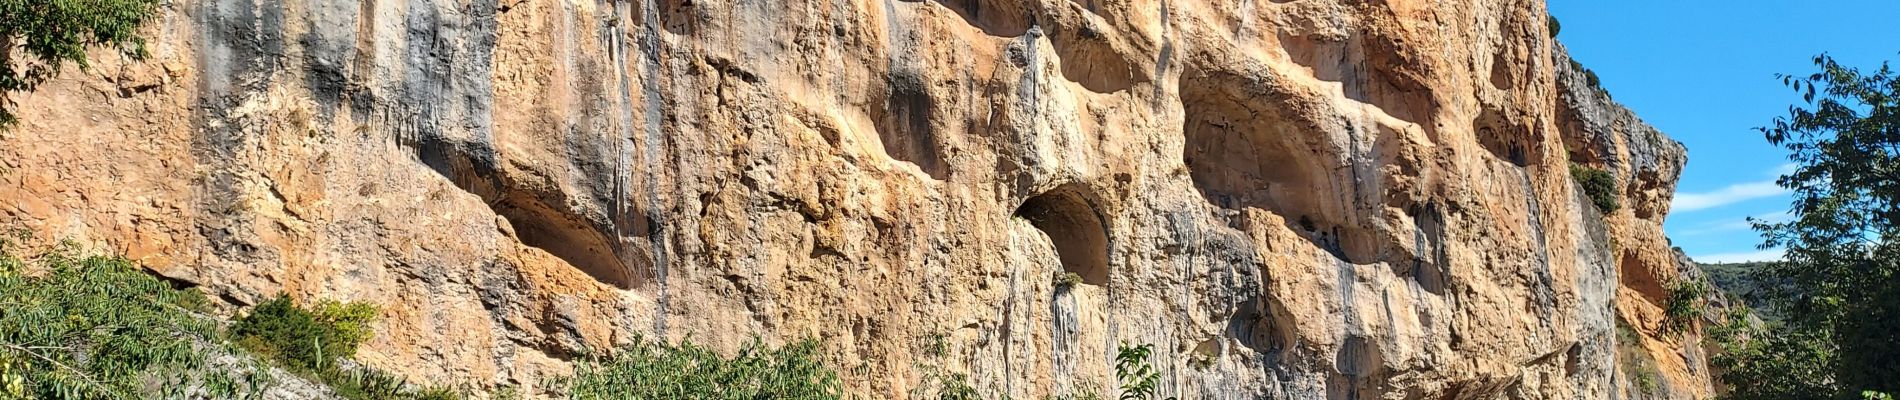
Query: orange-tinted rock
{"x": 1290, "y": 199}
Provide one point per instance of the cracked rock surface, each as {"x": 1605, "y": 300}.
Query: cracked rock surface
{"x": 1305, "y": 199}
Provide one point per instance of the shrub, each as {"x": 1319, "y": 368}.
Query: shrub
{"x": 656, "y": 370}
{"x": 1068, "y": 280}
{"x": 307, "y": 340}
{"x": 96, "y": 327}
{"x": 1684, "y": 304}
{"x": 1645, "y": 379}
{"x": 370, "y": 384}
{"x": 1555, "y": 27}
{"x": 311, "y": 341}
{"x": 1598, "y": 184}
{"x": 957, "y": 387}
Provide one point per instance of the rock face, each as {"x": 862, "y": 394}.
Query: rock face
{"x": 1302, "y": 199}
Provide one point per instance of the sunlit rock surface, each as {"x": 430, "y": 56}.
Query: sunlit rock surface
{"x": 1299, "y": 199}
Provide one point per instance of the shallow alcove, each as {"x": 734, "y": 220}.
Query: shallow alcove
{"x": 1072, "y": 223}
{"x": 904, "y": 124}
{"x": 1506, "y": 138}
{"x": 568, "y": 237}
{"x": 588, "y": 242}
{"x": 1245, "y": 149}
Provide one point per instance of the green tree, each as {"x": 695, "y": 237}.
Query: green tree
{"x": 1684, "y": 305}
{"x": 37, "y": 37}
{"x": 1842, "y": 305}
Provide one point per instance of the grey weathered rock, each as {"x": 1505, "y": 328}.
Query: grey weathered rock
{"x": 1305, "y": 199}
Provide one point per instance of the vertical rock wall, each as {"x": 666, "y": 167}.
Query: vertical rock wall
{"x": 1290, "y": 199}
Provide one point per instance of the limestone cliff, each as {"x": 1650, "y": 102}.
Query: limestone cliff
{"x": 1304, "y": 199}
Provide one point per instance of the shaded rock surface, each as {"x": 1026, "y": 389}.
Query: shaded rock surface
{"x": 1291, "y": 199}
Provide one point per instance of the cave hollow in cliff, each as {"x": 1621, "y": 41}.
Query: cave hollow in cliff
{"x": 1075, "y": 227}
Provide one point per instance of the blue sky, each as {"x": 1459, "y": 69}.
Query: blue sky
{"x": 1703, "y": 72}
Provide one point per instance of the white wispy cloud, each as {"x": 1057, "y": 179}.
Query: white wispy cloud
{"x": 1751, "y": 256}
{"x": 1735, "y": 193}
{"x": 1735, "y": 225}
{"x": 1785, "y": 169}
{"x": 1731, "y": 194}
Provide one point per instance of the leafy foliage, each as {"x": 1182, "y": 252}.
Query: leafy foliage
{"x": 1598, "y": 184}
{"x": 656, "y": 370}
{"x": 370, "y": 384}
{"x": 1841, "y": 304}
{"x": 956, "y": 386}
{"x": 1684, "y": 305}
{"x": 50, "y": 33}
{"x": 1138, "y": 377}
{"x": 98, "y": 328}
{"x": 311, "y": 341}
{"x": 1760, "y": 364}
{"x": 1555, "y": 27}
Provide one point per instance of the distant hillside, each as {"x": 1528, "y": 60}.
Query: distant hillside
{"x": 1740, "y": 280}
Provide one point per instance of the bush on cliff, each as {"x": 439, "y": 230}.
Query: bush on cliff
{"x": 305, "y": 339}
{"x": 1598, "y": 184}
{"x": 1684, "y": 305}
{"x": 311, "y": 341}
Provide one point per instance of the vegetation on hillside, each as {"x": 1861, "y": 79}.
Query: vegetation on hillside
{"x": 311, "y": 341}
{"x": 96, "y": 327}
{"x": 1138, "y": 378}
{"x": 1840, "y": 305}
{"x": 657, "y": 370}
{"x": 49, "y": 34}
{"x": 1745, "y": 282}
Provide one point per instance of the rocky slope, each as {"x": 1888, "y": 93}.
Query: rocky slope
{"x": 1289, "y": 198}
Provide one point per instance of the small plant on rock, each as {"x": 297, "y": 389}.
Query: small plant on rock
{"x": 1684, "y": 305}
{"x": 1139, "y": 380}
{"x": 1598, "y": 184}
{"x": 1067, "y": 280}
